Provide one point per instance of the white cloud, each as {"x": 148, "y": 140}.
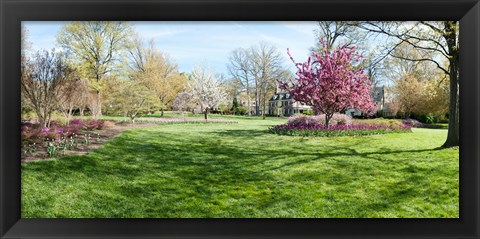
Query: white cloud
{"x": 155, "y": 33}
{"x": 304, "y": 27}
{"x": 190, "y": 43}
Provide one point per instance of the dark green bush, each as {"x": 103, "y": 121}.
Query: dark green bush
{"x": 241, "y": 110}
{"x": 308, "y": 112}
{"x": 427, "y": 118}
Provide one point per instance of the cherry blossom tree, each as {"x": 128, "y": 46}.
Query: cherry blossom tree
{"x": 331, "y": 82}
{"x": 205, "y": 89}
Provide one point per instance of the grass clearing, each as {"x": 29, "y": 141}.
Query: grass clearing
{"x": 242, "y": 171}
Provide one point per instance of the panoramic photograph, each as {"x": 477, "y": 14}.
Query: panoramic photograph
{"x": 232, "y": 119}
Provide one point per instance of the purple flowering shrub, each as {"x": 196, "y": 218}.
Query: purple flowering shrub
{"x": 412, "y": 122}
{"x": 93, "y": 124}
{"x": 337, "y": 119}
{"x": 89, "y": 124}
{"x": 76, "y": 122}
{"x": 34, "y": 134}
{"x": 31, "y": 134}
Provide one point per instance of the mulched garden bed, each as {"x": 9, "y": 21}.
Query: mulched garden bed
{"x": 99, "y": 137}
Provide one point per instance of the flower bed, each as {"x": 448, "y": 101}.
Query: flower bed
{"x": 59, "y": 137}
{"x": 313, "y": 126}
{"x": 336, "y": 130}
{"x": 180, "y": 121}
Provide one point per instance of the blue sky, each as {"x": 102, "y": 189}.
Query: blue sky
{"x": 195, "y": 43}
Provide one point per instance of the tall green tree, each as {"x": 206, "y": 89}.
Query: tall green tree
{"x": 157, "y": 71}
{"x": 133, "y": 99}
{"x": 94, "y": 48}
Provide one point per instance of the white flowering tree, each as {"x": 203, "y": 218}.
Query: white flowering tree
{"x": 205, "y": 89}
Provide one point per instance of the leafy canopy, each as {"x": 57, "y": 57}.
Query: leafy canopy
{"x": 331, "y": 83}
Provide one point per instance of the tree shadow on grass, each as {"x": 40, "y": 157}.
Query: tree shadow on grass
{"x": 148, "y": 166}
{"x": 240, "y": 133}
{"x": 202, "y": 156}
{"x": 211, "y": 155}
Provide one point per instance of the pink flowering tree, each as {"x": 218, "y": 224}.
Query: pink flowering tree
{"x": 331, "y": 83}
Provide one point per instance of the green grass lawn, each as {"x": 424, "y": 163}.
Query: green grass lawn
{"x": 240, "y": 170}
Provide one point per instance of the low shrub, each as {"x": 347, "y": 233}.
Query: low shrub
{"x": 89, "y": 124}
{"x": 76, "y": 122}
{"x": 427, "y": 118}
{"x": 93, "y": 124}
{"x": 337, "y": 119}
{"x": 417, "y": 124}
{"x": 442, "y": 119}
{"x": 31, "y": 134}
{"x": 389, "y": 123}
{"x": 308, "y": 112}
{"x": 241, "y": 110}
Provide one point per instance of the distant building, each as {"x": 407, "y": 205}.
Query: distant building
{"x": 282, "y": 104}
{"x": 383, "y": 98}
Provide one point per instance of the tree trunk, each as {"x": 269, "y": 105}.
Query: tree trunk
{"x": 132, "y": 118}
{"x": 264, "y": 103}
{"x": 263, "y": 111}
{"x": 453, "y": 138}
{"x": 206, "y": 113}
{"x": 99, "y": 105}
{"x": 249, "y": 102}
{"x": 49, "y": 119}
{"x": 327, "y": 120}
{"x": 67, "y": 115}
{"x": 161, "y": 115}
{"x": 257, "y": 99}
{"x": 40, "y": 118}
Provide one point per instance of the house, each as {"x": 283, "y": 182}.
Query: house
{"x": 282, "y": 104}
{"x": 384, "y": 100}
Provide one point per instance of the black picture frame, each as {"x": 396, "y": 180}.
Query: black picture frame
{"x": 12, "y": 12}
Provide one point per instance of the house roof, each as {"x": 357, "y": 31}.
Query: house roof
{"x": 281, "y": 96}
